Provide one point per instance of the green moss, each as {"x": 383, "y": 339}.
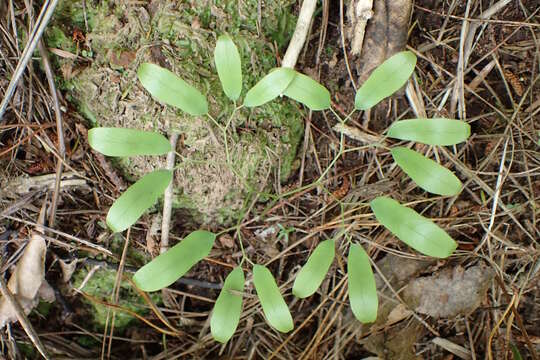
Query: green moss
{"x": 27, "y": 350}
{"x": 100, "y": 285}
{"x": 56, "y": 38}
{"x": 214, "y": 184}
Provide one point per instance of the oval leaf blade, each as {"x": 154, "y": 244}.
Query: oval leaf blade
{"x": 168, "y": 267}
{"x": 385, "y": 80}
{"x": 127, "y": 142}
{"x": 308, "y": 92}
{"x": 228, "y": 307}
{"x": 274, "y": 307}
{"x": 127, "y": 209}
{"x": 426, "y": 173}
{"x": 171, "y": 90}
{"x": 312, "y": 274}
{"x": 412, "y": 228}
{"x": 229, "y": 66}
{"x": 437, "y": 131}
{"x": 362, "y": 289}
{"x": 269, "y": 87}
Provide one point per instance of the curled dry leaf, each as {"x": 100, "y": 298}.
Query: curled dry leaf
{"x": 27, "y": 282}
{"x": 68, "y": 268}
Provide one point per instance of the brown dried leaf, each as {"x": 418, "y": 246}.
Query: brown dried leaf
{"x": 514, "y": 81}
{"x": 27, "y": 282}
{"x": 449, "y": 293}
{"x": 68, "y": 268}
{"x": 226, "y": 241}
{"x": 385, "y": 34}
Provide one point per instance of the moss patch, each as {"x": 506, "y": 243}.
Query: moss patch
{"x": 216, "y": 174}
{"x": 100, "y": 285}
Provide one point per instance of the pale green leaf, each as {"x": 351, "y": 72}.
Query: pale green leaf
{"x": 171, "y": 90}
{"x": 127, "y": 142}
{"x": 168, "y": 267}
{"x": 269, "y": 87}
{"x": 362, "y": 289}
{"x": 228, "y": 307}
{"x": 274, "y": 307}
{"x": 385, "y": 80}
{"x": 412, "y": 228}
{"x": 308, "y": 92}
{"x": 426, "y": 173}
{"x": 140, "y": 196}
{"x": 312, "y": 274}
{"x": 437, "y": 131}
{"x": 229, "y": 66}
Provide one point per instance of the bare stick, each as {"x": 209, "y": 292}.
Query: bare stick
{"x": 43, "y": 18}
{"x": 59, "y": 131}
{"x": 300, "y": 33}
{"x": 167, "y": 199}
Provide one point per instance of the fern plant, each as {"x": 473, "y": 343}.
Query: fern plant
{"x": 416, "y": 231}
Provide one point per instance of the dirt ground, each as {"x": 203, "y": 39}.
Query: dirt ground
{"x": 477, "y": 60}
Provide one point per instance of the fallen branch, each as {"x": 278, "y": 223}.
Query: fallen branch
{"x": 300, "y": 33}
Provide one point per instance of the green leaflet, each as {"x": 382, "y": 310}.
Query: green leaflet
{"x": 362, "y": 289}
{"x": 269, "y": 87}
{"x": 308, "y": 92}
{"x": 171, "y": 90}
{"x": 312, "y": 274}
{"x": 127, "y": 209}
{"x": 229, "y": 66}
{"x": 228, "y": 307}
{"x": 426, "y": 173}
{"x": 515, "y": 352}
{"x": 412, "y": 228}
{"x": 168, "y": 267}
{"x": 385, "y": 80}
{"x": 437, "y": 131}
{"x": 127, "y": 142}
{"x": 274, "y": 307}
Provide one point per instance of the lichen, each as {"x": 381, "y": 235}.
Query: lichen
{"x": 216, "y": 175}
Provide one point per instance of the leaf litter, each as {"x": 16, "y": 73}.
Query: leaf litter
{"x": 27, "y": 282}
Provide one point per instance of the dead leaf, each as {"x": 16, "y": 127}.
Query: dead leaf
{"x": 398, "y": 343}
{"x": 68, "y": 268}
{"x": 27, "y": 282}
{"x": 123, "y": 59}
{"x": 397, "y": 314}
{"x": 226, "y": 241}
{"x": 385, "y": 34}
{"x": 449, "y": 293}
{"x": 63, "y": 53}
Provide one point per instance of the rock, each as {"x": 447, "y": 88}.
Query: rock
{"x": 452, "y": 292}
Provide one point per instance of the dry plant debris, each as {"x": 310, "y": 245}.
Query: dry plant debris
{"x": 27, "y": 282}
{"x": 495, "y": 219}
{"x": 385, "y": 33}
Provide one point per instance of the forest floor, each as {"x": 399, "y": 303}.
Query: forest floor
{"x": 478, "y": 61}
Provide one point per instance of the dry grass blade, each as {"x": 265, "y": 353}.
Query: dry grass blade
{"x": 43, "y": 19}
